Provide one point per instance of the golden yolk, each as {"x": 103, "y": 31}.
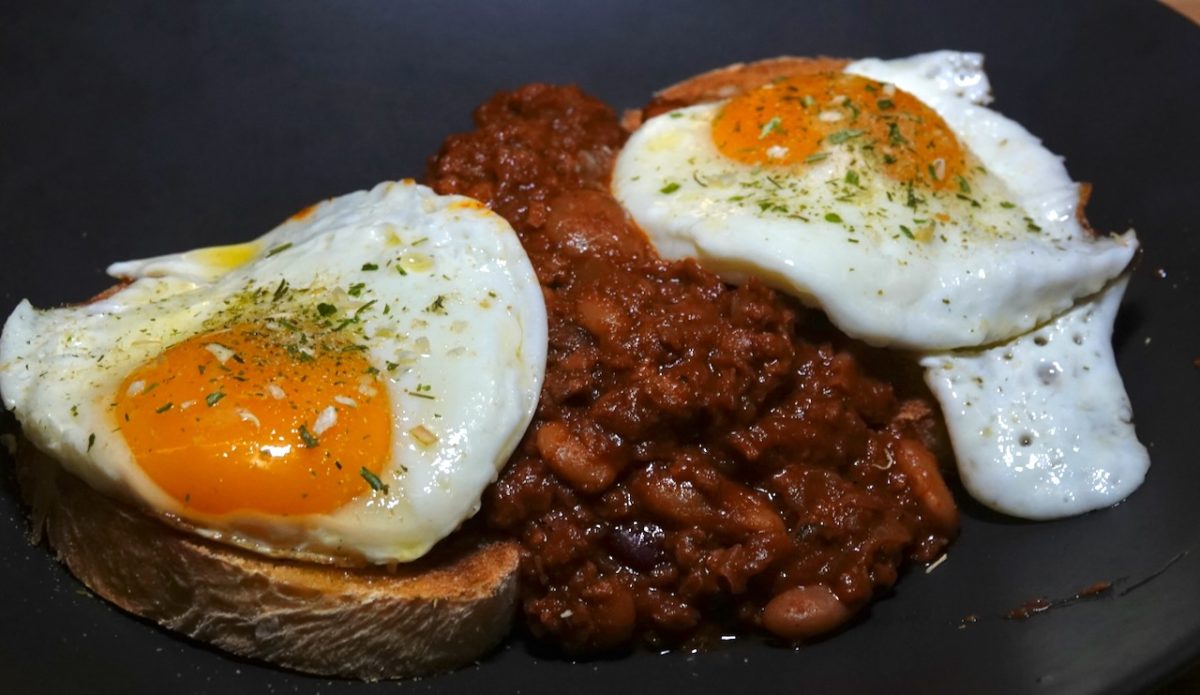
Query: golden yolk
{"x": 801, "y": 119}
{"x": 227, "y": 257}
{"x": 254, "y": 418}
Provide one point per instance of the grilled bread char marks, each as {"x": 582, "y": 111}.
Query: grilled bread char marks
{"x": 438, "y": 613}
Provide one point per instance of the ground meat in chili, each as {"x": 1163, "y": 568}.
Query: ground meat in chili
{"x": 695, "y": 460}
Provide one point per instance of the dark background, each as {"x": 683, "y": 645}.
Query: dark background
{"x": 136, "y": 128}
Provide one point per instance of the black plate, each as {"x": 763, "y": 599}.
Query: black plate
{"x": 153, "y": 127}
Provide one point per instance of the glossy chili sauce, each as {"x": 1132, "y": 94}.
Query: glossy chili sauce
{"x": 696, "y": 462}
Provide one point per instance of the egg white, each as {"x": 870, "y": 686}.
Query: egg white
{"x": 1041, "y": 425}
{"x": 1012, "y": 255}
{"x": 1039, "y": 430}
{"x": 478, "y": 361}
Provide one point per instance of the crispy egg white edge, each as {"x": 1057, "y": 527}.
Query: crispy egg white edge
{"x": 871, "y": 295}
{"x": 443, "y": 483}
{"x": 1041, "y": 426}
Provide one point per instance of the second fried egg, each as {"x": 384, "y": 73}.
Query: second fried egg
{"x": 889, "y": 196}
{"x": 914, "y": 217}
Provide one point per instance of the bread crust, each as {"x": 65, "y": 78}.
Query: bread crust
{"x": 435, "y": 614}
{"x": 726, "y": 82}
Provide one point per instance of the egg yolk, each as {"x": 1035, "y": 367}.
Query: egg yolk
{"x": 801, "y": 119}
{"x": 258, "y": 418}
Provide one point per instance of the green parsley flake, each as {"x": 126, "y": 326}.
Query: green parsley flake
{"x": 833, "y": 217}
{"x": 213, "y": 398}
{"x": 91, "y": 441}
{"x": 843, "y": 136}
{"x": 164, "y": 407}
{"x": 369, "y": 266}
{"x": 816, "y": 157}
{"x": 438, "y": 305}
{"x": 373, "y": 480}
{"x": 309, "y": 440}
{"x": 326, "y": 309}
{"x": 885, "y": 104}
{"x": 279, "y": 249}
{"x": 669, "y": 188}
{"x": 770, "y": 126}
{"x": 364, "y": 307}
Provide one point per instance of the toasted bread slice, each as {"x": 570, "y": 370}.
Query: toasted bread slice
{"x": 440, "y": 612}
{"x": 726, "y": 82}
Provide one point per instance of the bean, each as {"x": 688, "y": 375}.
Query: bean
{"x": 921, "y": 467}
{"x": 749, "y": 510}
{"x": 613, "y": 613}
{"x": 804, "y": 612}
{"x": 591, "y": 223}
{"x": 639, "y": 545}
{"x": 573, "y": 460}
{"x": 602, "y": 317}
{"x": 678, "y": 501}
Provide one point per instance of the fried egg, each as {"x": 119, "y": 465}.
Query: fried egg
{"x": 1041, "y": 425}
{"x": 892, "y": 198}
{"x": 914, "y": 216}
{"x": 341, "y": 389}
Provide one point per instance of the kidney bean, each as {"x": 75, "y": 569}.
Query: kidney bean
{"x": 640, "y": 545}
